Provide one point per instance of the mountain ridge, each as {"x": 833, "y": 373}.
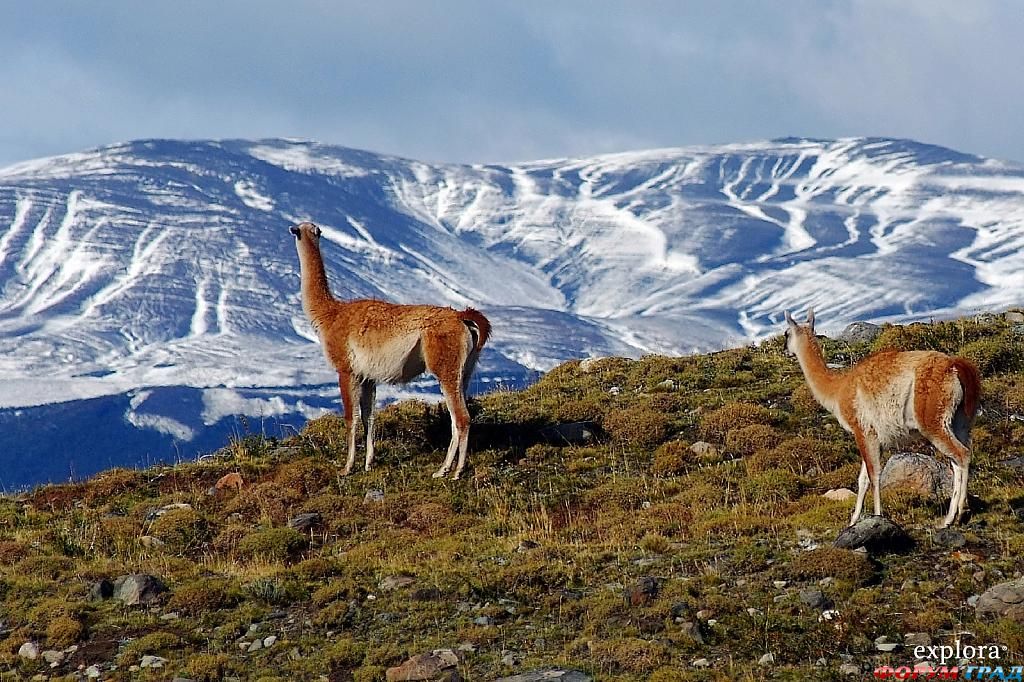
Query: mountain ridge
{"x": 157, "y": 264}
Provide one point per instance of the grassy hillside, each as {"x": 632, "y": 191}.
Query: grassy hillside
{"x": 630, "y": 557}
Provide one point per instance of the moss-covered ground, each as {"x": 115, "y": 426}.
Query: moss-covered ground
{"x": 540, "y": 555}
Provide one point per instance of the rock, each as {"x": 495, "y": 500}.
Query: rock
{"x": 704, "y": 449}
{"x": 767, "y": 659}
{"x": 614, "y": 390}
{"x": 304, "y": 522}
{"x": 244, "y": 645}
{"x": 373, "y": 495}
{"x": 546, "y": 674}
{"x": 587, "y": 365}
{"x": 269, "y": 641}
{"x": 643, "y": 592}
{"x": 53, "y": 657}
{"x": 255, "y": 646}
{"x": 29, "y": 650}
{"x": 948, "y": 537}
{"x": 395, "y": 582}
{"x": 849, "y": 669}
{"x": 182, "y": 679}
{"x": 151, "y": 542}
{"x": 440, "y": 664}
{"x": 138, "y": 588}
{"x": 573, "y": 433}
{"x": 840, "y": 494}
{"x": 104, "y": 589}
{"x": 860, "y": 332}
{"x": 167, "y": 508}
{"x": 1014, "y": 316}
{"x": 93, "y": 672}
{"x": 779, "y": 584}
{"x": 815, "y": 599}
{"x": 679, "y": 612}
{"x": 691, "y": 631}
{"x": 884, "y": 645}
{"x": 701, "y": 663}
{"x": 152, "y": 662}
{"x": 467, "y": 648}
{"x": 874, "y": 534}
{"x": 483, "y": 621}
{"x": 704, "y": 614}
{"x": 1005, "y": 600}
{"x": 667, "y": 385}
{"x": 511, "y": 658}
{"x": 228, "y": 482}
{"x": 527, "y": 545}
{"x": 915, "y": 639}
{"x": 921, "y": 474}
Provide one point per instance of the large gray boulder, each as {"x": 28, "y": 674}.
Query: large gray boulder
{"x": 875, "y": 534}
{"x": 138, "y": 588}
{"x": 859, "y": 332}
{"x": 921, "y": 474}
{"x": 1005, "y": 600}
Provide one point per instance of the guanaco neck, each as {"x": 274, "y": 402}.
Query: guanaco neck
{"x": 316, "y": 293}
{"x": 820, "y": 379}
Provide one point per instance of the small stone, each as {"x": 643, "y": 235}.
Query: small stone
{"x": 1014, "y": 316}
{"x": 269, "y": 641}
{"x": 53, "y": 657}
{"x": 304, "y": 522}
{"x": 614, "y": 390}
{"x": 704, "y": 449}
{"x": 29, "y": 650}
{"x": 704, "y": 614}
{"x": 244, "y": 645}
{"x": 151, "y": 542}
{"x": 915, "y": 639}
{"x": 549, "y": 675}
{"x": 467, "y": 648}
{"x": 884, "y": 645}
{"x": 152, "y": 662}
{"x": 767, "y": 659}
{"x": 483, "y": 621}
{"x": 874, "y": 534}
{"x": 171, "y": 615}
{"x": 437, "y": 665}
{"x": 691, "y": 631}
{"x": 860, "y": 332}
{"x": 849, "y": 669}
{"x": 839, "y": 494}
{"x": 395, "y": 582}
{"x": 511, "y": 659}
{"x": 373, "y": 495}
{"x": 754, "y": 613}
{"x": 972, "y": 601}
{"x": 643, "y": 592}
{"x": 104, "y": 589}
{"x": 527, "y": 545}
{"x": 815, "y": 599}
{"x": 92, "y": 672}
{"x": 701, "y": 663}
{"x": 255, "y": 646}
{"x": 949, "y": 537}
{"x": 138, "y": 588}
{"x": 825, "y": 582}
{"x": 780, "y": 584}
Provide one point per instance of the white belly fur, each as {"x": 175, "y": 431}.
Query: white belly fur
{"x": 396, "y": 360}
{"x": 890, "y": 412}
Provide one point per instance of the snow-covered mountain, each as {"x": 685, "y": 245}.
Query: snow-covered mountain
{"x": 149, "y": 291}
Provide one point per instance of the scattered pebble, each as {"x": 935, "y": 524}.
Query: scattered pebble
{"x": 767, "y": 659}
{"x": 701, "y": 663}
{"x": 29, "y": 650}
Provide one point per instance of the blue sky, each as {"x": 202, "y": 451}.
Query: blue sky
{"x": 490, "y": 81}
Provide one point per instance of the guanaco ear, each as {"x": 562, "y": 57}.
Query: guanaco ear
{"x": 810, "y": 318}
{"x": 789, "y": 319}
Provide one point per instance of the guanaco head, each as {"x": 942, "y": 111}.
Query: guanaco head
{"x": 797, "y": 335}
{"x": 306, "y": 231}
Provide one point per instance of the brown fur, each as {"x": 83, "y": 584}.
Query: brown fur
{"x": 371, "y": 341}
{"x": 890, "y": 394}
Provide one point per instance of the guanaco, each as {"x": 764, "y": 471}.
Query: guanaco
{"x": 369, "y": 341}
{"x": 890, "y": 394}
